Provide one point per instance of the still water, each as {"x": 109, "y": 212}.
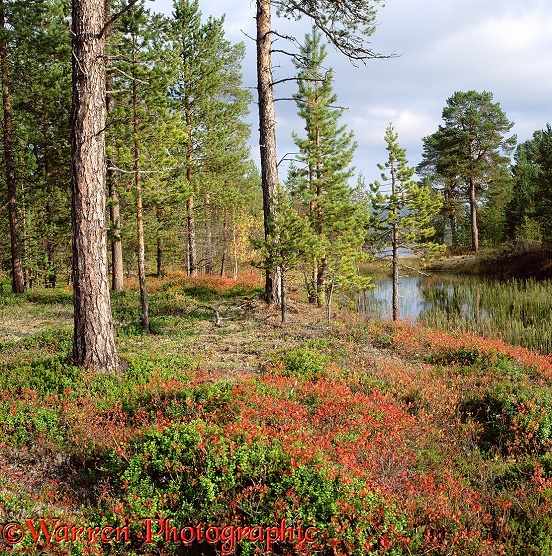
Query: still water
{"x": 419, "y": 296}
{"x": 518, "y": 311}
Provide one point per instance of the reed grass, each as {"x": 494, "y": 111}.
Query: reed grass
{"x": 516, "y": 311}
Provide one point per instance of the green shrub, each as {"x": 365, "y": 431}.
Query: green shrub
{"x": 515, "y": 417}
{"x": 305, "y": 362}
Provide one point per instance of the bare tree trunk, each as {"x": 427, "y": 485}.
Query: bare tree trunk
{"x": 94, "y": 340}
{"x": 454, "y": 230}
{"x": 51, "y": 271}
{"x": 192, "y": 253}
{"x": 235, "y": 243}
{"x": 321, "y": 281}
{"x": 329, "y": 299}
{"x": 473, "y": 215}
{"x": 208, "y": 237}
{"x": 395, "y": 304}
{"x": 160, "y": 248}
{"x": 18, "y": 280}
{"x": 313, "y": 286}
{"x": 283, "y": 296}
{"x": 139, "y": 211}
{"x": 117, "y": 269}
{"x": 395, "y": 248}
{"x": 267, "y": 142}
{"x": 224, "y": 244}
{"x": 160, "y": 262}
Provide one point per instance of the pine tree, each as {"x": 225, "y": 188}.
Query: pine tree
{"x": 321, "y": 182}
{"x": 35, "y": 93}
{"x": 402, "y": 218}
{"x": 143, "y": 129}
{"x": 18, "y": 281}
{"x": 207, "y": 93}
{"x": 470, "y": 147}
{"x": 94, "y": 340}
{"x": 346, "y": 25}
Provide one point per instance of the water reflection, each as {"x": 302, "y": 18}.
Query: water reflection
{"x": 419, "y": 297}
{"x": 518, "y": 311}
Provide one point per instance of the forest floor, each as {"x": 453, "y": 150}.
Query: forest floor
{"x": 389, "y": 439}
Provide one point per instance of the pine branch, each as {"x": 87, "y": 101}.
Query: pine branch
{"x": 116, "y": 16}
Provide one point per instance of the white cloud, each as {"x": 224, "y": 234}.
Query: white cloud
{"x": 444, "y": 45}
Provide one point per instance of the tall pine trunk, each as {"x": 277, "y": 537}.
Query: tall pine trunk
{"x": 192, "y": 251}
{"x": 208, "y": 237}
{"x": 224, "y": 244}
{"x": 395, "y": 248}
{"x": 160, "y": 246}
{"x": 94, "y": 340}
{"x": 18, "y": 280}
{"x": 235, "y": 246}
{"x": 395, "y": 303}
{"x": 51, "y": 270}
{"x": 139, "y": 214}
{"x": 267, "y": 142}
{"x": 473, "y": 216}
{"x": 117, "y": 269}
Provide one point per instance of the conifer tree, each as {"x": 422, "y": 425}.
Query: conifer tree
{"x": 36, "y": 98}
{"x": 18, "y": 281}
{"x": 402, "y": 217}
{"x": 320, "y": 182}
{"x": 346, "y": 25}
{"x": 207, "y": 93}
{"x": 94, "y": 339}
{"x": 143, "y": 128}
{"x": 470, "y": 147}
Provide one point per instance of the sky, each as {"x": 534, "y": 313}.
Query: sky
{"x": 441, "y": 46}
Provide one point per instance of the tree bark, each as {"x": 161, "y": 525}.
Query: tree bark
{"x": 224, "y": 244}
{"x": 235, "y": 245}
{"x": 473, "y": 215}
{"x": 208, "y": 237}
{"x": 139, "y": 214}
{"x": 117, "y": 269}
{"x": 51, "y": 270}
{"x": 160, "y": 247}
{"x": 395, "y": 303}
{"x": 283, "y": 296}
{"x": 94, "y": 340}
{"x": 192, "y": 252}
{"x": 267, "y": 134}
{"x": 395, "y": 248}
{"x": 18, "y": 279}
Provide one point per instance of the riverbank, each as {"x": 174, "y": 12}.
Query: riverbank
{"x": 508, "y": 261}
{"x": 384, "y": 438}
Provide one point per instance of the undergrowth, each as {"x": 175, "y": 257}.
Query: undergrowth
{"x": 385, "y": 439}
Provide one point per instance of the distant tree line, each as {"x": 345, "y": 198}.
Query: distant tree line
{"x": 487, "y": 197}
